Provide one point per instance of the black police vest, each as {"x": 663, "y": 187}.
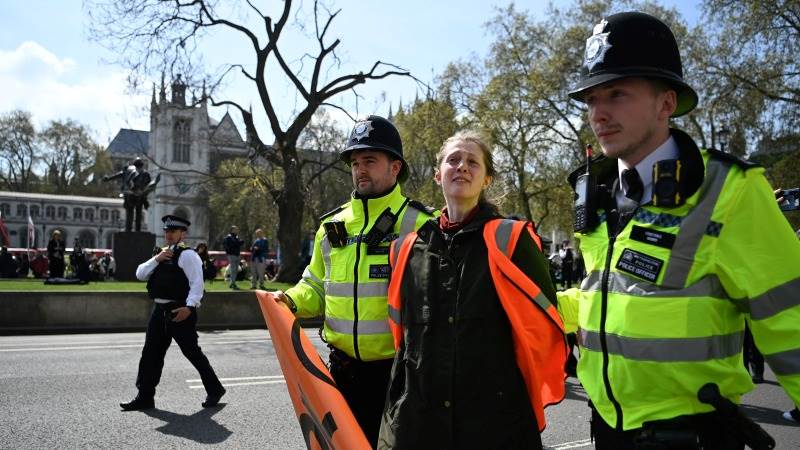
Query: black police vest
{"x": 168, "y": 281}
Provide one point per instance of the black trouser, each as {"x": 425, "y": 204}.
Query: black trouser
{"x": 753, "y": 359}
{"x": 363, "y": 384}
{"x": 160, "y": 332}
{"x": 700, "y": 431}
{"x": 566, "y": 275}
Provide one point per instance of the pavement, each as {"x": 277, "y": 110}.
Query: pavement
{"x": 63, "y": 391}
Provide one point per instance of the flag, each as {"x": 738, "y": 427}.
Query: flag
{"x": 31, "y": 232}
{"x": 4, "y": 232}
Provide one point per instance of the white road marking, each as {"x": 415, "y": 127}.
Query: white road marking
{"x": 243, "y": 384}
{"x": 573, "y": 444}
{"x": 99, "y": 347}
{"x": 240, "y": 378}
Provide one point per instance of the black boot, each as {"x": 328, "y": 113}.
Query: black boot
{"x": 139, "y": 403}
{"x": 213, "y": 399}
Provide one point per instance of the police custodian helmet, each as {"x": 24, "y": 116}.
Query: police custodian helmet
{"x": 376, "y": 133}
{"x": 634, "y": 44}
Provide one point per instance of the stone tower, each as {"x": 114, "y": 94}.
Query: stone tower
{"x": 179, "y": 147}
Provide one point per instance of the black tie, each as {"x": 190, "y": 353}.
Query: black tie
{"x": 635, "y": 187}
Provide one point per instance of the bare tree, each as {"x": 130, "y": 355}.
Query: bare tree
{"x": 157, "y": 35}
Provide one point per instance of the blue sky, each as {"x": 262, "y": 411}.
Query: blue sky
{"x": 50, "y": 68}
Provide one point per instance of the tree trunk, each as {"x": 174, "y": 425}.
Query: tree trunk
{"x": 290, "y": 216}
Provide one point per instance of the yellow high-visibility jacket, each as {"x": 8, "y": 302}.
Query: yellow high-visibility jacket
{"x": 349, "y": 284}
{"x": 663, "y": 308}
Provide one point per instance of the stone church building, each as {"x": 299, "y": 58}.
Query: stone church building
{"x": 183, "y": 144}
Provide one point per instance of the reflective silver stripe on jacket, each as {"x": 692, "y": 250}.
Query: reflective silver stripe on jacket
{"x": 312, "y": 281}
{"x": 667, "y": 349}
{"x": 345, "y": 289}
{"x": 775, "y": 300}
{"x": 409, "y": 222}
{"x": 365, "y": 327}
{"x": 325, "y": 246}
{"x": 395, "y": 315}
{"x": 785, "y": 363}
{"x": 620, "y": 283}
{"x": 694, "y": 225}
{"x": 503, "y": 235}
{"x": 397, "y": 245}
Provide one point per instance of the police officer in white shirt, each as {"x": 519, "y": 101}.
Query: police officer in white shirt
{"x": 175, "y": 283}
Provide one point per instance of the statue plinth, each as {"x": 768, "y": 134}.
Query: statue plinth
{"x": 131, "y": 248}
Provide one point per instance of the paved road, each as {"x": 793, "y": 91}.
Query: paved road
{"x": 62, "y": 392}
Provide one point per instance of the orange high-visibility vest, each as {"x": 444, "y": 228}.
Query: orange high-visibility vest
{"x": 537, "y": 330}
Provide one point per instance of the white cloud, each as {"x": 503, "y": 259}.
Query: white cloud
{"x": 36, "y": 80}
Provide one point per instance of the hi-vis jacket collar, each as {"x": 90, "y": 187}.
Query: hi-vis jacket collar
{"x": 605, "y": 169}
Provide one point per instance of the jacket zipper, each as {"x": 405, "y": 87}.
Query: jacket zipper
{"x": 603, "y": 341}
{"x": 355, "y": 280}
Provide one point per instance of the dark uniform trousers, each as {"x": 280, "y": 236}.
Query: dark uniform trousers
{"x": 363, "y": 385}
{"x": 160, "y": 332}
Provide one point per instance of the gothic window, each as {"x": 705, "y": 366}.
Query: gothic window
{"x": 5, "y": 209}
{"x": 114, "y": 215}
{"x": 77, "y": 214}
{"x": 22, "y": 210}
{"x": 86, "y": 238}
{"x": 181, "y": 141}
{"x": 89, "y": 214}
{"x": 34, "y": 211}
{"x": 104, "y": 215}
{"x": 50, "y": 212}
{"x": 62, "y": 212}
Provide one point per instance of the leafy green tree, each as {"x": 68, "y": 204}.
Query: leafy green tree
{"x": 423, "y": 129}
{"x": 69, "y": 155}
{"x": 19, "y": 151}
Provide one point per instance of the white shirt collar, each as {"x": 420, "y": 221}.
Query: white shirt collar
{"x": 667, "y": 150}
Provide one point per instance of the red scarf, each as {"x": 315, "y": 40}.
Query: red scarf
{"x": 450, "y": 227}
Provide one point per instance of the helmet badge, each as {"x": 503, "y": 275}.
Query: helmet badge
{"x": 362, "y": 130}
{"x": 596, "y": 46}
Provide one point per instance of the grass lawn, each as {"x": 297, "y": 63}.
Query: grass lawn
{"x": 31, "y": 284}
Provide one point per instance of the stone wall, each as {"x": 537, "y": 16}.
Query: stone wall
{"x": 66, "y": 312}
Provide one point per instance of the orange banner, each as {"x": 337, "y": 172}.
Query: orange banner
{"x": 325, "y": 419}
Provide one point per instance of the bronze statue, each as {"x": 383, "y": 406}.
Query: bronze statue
{"x": 135, "y": 185}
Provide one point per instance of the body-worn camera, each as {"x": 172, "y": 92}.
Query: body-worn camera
{"x": 336, "y": 233}
{"x": 666, "y": 183}
{"x": 383, "y": 225}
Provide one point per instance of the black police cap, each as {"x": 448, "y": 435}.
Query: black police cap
{"x": 634, "y": 44}
{"x": 376, "y": 133}
{"x": 172, "y": 222}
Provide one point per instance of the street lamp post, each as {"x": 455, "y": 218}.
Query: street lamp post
{"x": 723, "y": 134}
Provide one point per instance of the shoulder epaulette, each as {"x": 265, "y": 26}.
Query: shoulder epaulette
{"x": 333, "y": 211}
{"x": 743, "y": 163}
{"x": 420, "y": 207}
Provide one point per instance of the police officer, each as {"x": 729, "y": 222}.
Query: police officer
{"x": 347, "y": 279}
{"x": 677, "y": 242}
{"x": 175, "y": 283}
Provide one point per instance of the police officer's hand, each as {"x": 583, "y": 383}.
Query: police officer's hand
{"x": 281, "y": 298}
{"x": 181, "y": 313}
{"x": 284, "y": 299}
{"x": 165, "y": 255}
{"x": 778, "y": 195}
